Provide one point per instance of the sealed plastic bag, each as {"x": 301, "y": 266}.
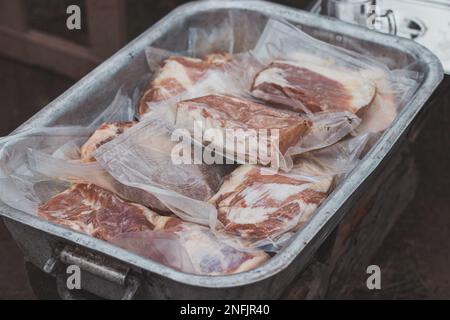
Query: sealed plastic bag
{"x": 306, "y": 75}
{"x": 243, "y": 129}
{"x": 259, "y": 208}
{"x": 327, "y": 128}
{"x": 176, "y": 75}
{"x": 199, "y": 251}
{"x": 23, "y": 186}
{"x": 206, "y": 50}
{"x": 145, "y": 157}
{"x": 95, "y": 211}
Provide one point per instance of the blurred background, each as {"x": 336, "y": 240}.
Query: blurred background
{"x": 414, "y": 258}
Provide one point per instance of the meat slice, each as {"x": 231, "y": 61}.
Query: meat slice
{"x": 230, "y": 112}
{"x": 307, "y": 87}
{"x": 178, "y": 74}
{"x": 101, "y": 214}
{"x": 106, "y": 133}
{"x": 256, "y": 205}
{"x": 96, "y": 211}
{"x": 204, "y": 252}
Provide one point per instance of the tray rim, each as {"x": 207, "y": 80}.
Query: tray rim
{"x": 326, "y": 218}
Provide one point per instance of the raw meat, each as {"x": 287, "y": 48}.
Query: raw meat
{"x": 106, "y": 133}
{"x": 96, "y": 211}
{"x": 205, "y": 253}
{"x": 307, "y": 87}
{"x": 178, "y": 74}
{"x": 101, "y": 214}
{"x": 256, "y": 205}
{"x": 144, "y": 158}
{"x": 230, "y": 112}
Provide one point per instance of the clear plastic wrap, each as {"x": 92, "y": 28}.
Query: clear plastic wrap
{"x": 305, "y": 75}
{"x": 96, "y": 211}
{"x": 257, "y": 208}
{"x": 190, "y": 248}
{"x": 206, "y": 51}
{"x": 143, "y": 158}
{"x": 38, "y": 162}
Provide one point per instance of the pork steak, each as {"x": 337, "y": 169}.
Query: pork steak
{"x": 96, "y": 211}
{"x": 255, "y": 205}
{"x": 307, "y": 87}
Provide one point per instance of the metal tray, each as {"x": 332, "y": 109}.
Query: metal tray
{"x": 42, "y": 241}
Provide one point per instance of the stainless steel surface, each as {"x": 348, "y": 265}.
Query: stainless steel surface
{"x": 425, "y": 21}
{"x": 110, "y": 270}
{"x": 38, "y": 238}
{"x": 107, "y": 269}
{"x": 361, "y": 12}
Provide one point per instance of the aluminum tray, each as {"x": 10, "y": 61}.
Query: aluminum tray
{"x": 38, "y": 238}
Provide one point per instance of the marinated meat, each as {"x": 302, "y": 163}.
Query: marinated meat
{"x": 230, "y": 112}
{"x": 97, "y": 212}
{"x": 106, "y": 133}
{"x": 306, "y": 87}
{"x": 178, "y": 74}
{"x": 205, "y": 253}
{"x": 256, "y": 205}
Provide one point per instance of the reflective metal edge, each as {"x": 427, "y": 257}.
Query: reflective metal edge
{"x": 309, "y": 239}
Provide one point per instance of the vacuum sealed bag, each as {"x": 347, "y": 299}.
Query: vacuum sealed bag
{"x": 260, "y": 207}
{"x": 145, "y": 158}
{"x": 23, "y": 186}
{"x": 305, "y": 75}
{"x": 200, "y": 251}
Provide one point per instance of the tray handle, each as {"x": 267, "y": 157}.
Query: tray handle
{"x": 101, "y": 267}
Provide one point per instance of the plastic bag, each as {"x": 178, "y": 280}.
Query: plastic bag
{"x": 206, "y": 50}
{"x": 327, "y": 128}
{"x": 258, "y": 208}
{"x": 23, "y": 186}
{"x": 96, "y": 211}
{"x": 144, "y": 158}
{"x": 241, "y": 130}
{"x": 192, "y": 249}
{"x": 176, "y": 75}
{"x": 333, "y": 79}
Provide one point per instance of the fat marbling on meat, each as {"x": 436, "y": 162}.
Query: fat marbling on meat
{"x": 101, "y": 214}
{"x": 177, "y": 74}
{"x": 225, "y": 112}
{"x": 96, "y": 211}
{"x": 106, "y": 133}
{"x": 255, "y": 204}
{"x": 308, "y": 87}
